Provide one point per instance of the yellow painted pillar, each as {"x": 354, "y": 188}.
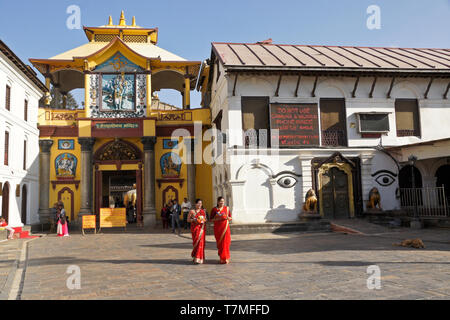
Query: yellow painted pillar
{"x": 48, "y": 98}
{"x": 87, "y": 110}
{"x": 149, "y": 94}
{"x": 64, "y": 101}
{"x": 187, "y": 92}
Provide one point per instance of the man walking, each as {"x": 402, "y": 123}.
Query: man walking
{"x": 185, "y": 207}
{"x": 176, "y": 211}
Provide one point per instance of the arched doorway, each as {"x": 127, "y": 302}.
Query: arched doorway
{"x": 443, "y": 180}
{"x": 5, "y": 202}
{"x": 405, "y": 181}
{"x": 405, "y": 177}
{"x": 24, "y": 204}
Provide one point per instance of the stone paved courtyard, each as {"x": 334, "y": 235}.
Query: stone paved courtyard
{"x": 136, "y": 265}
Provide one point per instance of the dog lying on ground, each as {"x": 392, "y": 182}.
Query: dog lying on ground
{"x": 413, "y": 243}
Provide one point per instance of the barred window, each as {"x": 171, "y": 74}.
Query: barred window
{"x": 333, "y": 122}
{"x": 255, "y": 121}
{"x": 407, "y": 117}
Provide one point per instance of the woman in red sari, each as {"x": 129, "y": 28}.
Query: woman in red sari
{"x": 197, "y": 219}
{"x": 221, "y": 216}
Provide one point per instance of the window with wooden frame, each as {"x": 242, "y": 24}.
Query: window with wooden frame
{"x": 24, "y": 154}
{"x": 255, "y": 121}
{"x": 8, "y": 98}
{"x": 407, "y": 117}
{"x": 25, "y": 110}
{"x": 333, "y": 122}
{"x": 6, "y": 157}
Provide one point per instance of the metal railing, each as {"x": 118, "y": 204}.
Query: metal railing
{"x": 425, "y": 202}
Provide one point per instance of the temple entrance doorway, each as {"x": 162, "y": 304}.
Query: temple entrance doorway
{"x": 120, "y": 189}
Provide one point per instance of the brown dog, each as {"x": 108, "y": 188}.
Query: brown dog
{"x": 413, "y": 243}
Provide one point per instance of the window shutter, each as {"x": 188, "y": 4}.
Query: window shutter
{"x": 25, "y": 155}
{"x": 25, "y": 110}
{"x": 8, "y": 98}
{"x": 6, "y": 148}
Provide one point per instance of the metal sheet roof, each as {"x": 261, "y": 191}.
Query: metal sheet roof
{"x": 267, "y": 56}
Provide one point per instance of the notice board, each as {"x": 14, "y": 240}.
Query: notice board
{"x": 88, "y": 222}
{"x": 298, "y": 123}
{"x": 113, "y": 217}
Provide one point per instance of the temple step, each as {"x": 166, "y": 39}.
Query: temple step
{"x": 321, "y": 225}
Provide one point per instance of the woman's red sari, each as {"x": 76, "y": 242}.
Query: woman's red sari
{"x": 222, "y": 232}
{"x": 198, "y": 231}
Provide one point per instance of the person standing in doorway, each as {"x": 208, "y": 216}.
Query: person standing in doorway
{"x": 185, "y": 207}
{"x": 176, "y": 211}
{"x": 221, "y": 216}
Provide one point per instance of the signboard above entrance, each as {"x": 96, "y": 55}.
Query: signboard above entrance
{"x": 117, "y": 128}
{"x": 298, "y": 124}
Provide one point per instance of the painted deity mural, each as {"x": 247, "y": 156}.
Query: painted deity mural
{"x": 66, "y": 165}
{"x": 118, "y": 89}
{"x": 118, "y": 92}
{"x": 170, "y": 165}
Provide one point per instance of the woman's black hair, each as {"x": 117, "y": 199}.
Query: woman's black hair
{"x": 197, "y": 200}
{"x": 220, "y": 198}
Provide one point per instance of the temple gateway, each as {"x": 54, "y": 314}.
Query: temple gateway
{"x": 122, "y": 140}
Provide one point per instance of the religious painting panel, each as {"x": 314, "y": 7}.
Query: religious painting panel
{"x": 170, "y": 165}
{"x": 118, "y": 92}
{"x": 66, "y": 144}
{"x": 66, "y": 165}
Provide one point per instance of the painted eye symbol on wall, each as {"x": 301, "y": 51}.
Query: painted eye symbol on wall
{"x": 287, "y": 179}
{"x": 384, "y": 177}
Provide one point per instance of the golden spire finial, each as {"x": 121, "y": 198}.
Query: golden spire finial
{"x": 122, "y": 19}
{"x": 133, "y": 23}
{"x": 110, "y": 23}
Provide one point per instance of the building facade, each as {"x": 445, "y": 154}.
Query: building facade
{"x": 337, "y": 120}
{"x": 123, "y": 138}
{"x": 20, "y": 91}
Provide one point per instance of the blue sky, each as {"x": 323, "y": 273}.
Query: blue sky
{"x": 37, "y": 29}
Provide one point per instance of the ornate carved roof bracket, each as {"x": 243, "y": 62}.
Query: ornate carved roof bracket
{"x": 390, "y": 88}
{"x": 446, "y": 91}
{"x": 313, "y": 92}
{"x": 234, "y": 85}
{"x": 373, "y": 87}
{"x": 428, "y": 88}
{"x": 278, "y": 85}
{"x": 298, "y": 84}
{"x": 355, "y": 87}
